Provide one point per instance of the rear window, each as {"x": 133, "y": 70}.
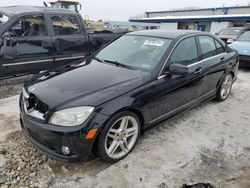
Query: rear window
{"x": 220, "y": 48}
{"x": 65, "y": 25}
{"x": 233, "y": 32}
{"x": 245, "y": 36}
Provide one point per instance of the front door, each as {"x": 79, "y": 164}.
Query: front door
{"x": 178, "y": 92}
{"x": 31, "y": 45}
{"x": 70, "y": 42}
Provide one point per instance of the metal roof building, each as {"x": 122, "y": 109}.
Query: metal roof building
{"x": 210, "y": 19}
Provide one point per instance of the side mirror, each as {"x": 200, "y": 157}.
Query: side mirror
{"x": 216, "y": 33}
{"x": 178, "y": 69}
{"x": 8, "y": 49}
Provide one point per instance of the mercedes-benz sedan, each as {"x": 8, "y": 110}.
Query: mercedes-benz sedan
{"x": 101, "y": 106}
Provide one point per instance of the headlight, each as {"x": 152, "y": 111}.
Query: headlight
{"x": 72, "y": 116}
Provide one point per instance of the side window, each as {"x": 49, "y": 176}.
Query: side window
{"x": 186, "y": 52}
{"x": 29, "y": 26}
{"x": 65, "y": 25}
{"x": 208, "y": 48}
{"x": 220, "y": 48}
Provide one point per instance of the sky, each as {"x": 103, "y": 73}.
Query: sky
{"x": 122, "y": 10}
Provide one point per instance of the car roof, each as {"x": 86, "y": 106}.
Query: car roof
{"x": 14, "y": 10}
{"x": 170, "y": 34}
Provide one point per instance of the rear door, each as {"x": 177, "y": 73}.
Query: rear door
{"x": 213, "y": 62}
{"x": 70, "y": 41}
{"x": 32, "y": 46}
{"x": 178, "y": 92}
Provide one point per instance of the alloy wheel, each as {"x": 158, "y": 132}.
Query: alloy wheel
{"x": 226, "y": 86}
{"x": 121, "y": 137}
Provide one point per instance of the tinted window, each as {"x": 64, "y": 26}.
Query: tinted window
{"x": 186, "y": 52}
{"x": 208, "y": 48}
{"x": 29, "y": 26}
{"x": 233, "y": 32}
{"x": 64, "y": 25}
{"x": 220, "y": 48}
{"x": 136, "y": 51}
{"x": 245, "y": 36}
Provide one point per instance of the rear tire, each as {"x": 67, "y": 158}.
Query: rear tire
{"x": 119, "y": 137}
{"x": 225, "y": 88}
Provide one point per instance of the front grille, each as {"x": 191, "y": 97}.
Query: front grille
{"x": 35, "y": 104}
{"x": 33, "y": 107}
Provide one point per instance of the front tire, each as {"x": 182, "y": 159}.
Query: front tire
{"x": 119, "y": 137}
{"x": 225, "y": 88}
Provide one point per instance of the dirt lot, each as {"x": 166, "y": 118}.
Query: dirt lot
{"x": 10, "y": 87}
{"x": 210, "y": 143}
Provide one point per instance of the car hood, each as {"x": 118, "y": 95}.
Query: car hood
{"x": 242, "y": 47}
{"x": 91, "y": 84}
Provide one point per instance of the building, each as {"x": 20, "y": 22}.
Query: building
{"x": 209, "y": 19}
{"x": 130, "y": 26}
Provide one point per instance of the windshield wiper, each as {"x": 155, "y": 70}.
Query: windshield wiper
{"x": 117, "y": 64}
{"x": 98, "y": 59}
{"x": 113, "y": 62}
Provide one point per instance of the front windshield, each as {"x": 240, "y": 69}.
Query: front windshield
{"x": 233, "y": 32}
{"x": 136, "y": 51}
{"x": 245, "y": 36}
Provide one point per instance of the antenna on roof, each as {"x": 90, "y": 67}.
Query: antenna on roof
{"x": 45, "y": 4}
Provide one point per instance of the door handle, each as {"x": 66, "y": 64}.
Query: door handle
{"x": 198, "y": 71}
{"x": 222, "y": 60}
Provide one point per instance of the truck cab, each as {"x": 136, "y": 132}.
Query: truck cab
{"x": 34, "y": 39}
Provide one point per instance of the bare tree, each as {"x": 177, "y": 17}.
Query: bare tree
{"x": 137, "y": 16}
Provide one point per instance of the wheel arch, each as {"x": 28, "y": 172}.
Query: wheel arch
{"x": 223, "y": 76}
{"x": 125, "y": 109}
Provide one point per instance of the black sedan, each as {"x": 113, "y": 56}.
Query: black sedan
{"x": 102, "y": 105}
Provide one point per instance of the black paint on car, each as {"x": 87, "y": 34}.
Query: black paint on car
{"x": 101, "y": 105}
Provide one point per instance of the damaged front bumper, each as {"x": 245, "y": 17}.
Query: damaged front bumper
{"x": 54, "y": 139}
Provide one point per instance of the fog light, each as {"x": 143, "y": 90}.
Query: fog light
{"x": 65, "y": 150}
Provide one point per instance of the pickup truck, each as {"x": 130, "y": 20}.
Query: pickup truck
{"x": 33, "y": 39}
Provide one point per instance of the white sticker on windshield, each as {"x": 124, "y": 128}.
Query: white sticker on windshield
{"x": 154, "y": 42}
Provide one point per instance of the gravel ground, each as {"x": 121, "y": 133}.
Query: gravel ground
{"x": 210, "y": 144}
{"x": 10, "y": 87}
